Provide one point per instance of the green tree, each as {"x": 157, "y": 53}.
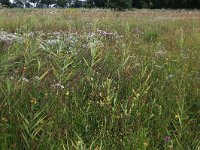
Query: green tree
{"x": 48, "y": 2}
{"x": 100, "y": 3}
{"x": 90, "y": 4}
{"x": 61, "y": 3}
{"x": 5, "y": 2}
{"x": 35, "y": 1}
{"x": 119, "y": 4}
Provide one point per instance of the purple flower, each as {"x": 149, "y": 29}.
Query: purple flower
{"x": 167, "y": 138}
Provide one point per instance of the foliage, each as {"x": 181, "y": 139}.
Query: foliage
{"x": 5, "y": 2}
{"x": 48, "y": 2}
{"x": 118, "y": 4}
{"x": 61, "y": 3}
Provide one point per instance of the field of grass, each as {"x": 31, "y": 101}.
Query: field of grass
{"x": 100, "y": 80}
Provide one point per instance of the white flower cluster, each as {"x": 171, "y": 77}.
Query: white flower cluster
{"x": 58, "y": 85}
{"x": 8, "y": 38}
{"x": 112, "y": 35}
{"x": 36, "y": 78}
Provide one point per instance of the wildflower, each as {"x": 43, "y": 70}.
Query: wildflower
{"x": 67, "y": 93}
{"x": 167, "y": 138}
{"x": 24, "y": 68}
{"x": 58, "y": 86}
{"x": 25, "y": 80}
{"x": 12, "y": 78}
{"x": 100, "y": 94}
{"x": 91, "y": 79}
{"x": 138, "y": 114}
{"x": 145, "y": 144}
{"x": 53, "y": 42}
{"x": 177, "y": 116}
{"x": 171, "y": 147}
{"x": 92, "y": 35}
{"x": 137, "y": 94}
{"x": 4, "y": 119}
{"x": 33, "y": 101}
{"x": 46, "y": 94}
{"x": 36, "y": 78}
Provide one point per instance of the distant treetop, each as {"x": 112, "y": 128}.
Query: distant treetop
{"x": 116, "y": 4}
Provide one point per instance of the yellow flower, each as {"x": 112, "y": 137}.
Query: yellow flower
{"x": 91, "y": 79}
{"x": 100, "y": 94}
{"x": 67, "y": 93}
{"x": 145, "y": 144}
{"x": 4, "y": 119}
{"x": 46, "y": 94}
{"x": 33, "y": 101}
{"x": 138, "y": 114}
{"x": 177, "y": 116}
{"x": 137, "y": 94}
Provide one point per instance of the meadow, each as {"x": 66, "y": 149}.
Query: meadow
{"x": 97, "y": 79}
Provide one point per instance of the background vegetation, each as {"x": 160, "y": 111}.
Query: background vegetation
{"x": 119, "y": 4}
{"x": 97, "y": 79}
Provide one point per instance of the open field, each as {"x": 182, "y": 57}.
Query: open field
{"x": 99, "y": 80}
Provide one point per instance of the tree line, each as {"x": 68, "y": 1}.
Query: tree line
{"x": 116, "y": 4}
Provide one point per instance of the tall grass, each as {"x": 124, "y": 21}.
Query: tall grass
{"x": 97, "y": 79}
